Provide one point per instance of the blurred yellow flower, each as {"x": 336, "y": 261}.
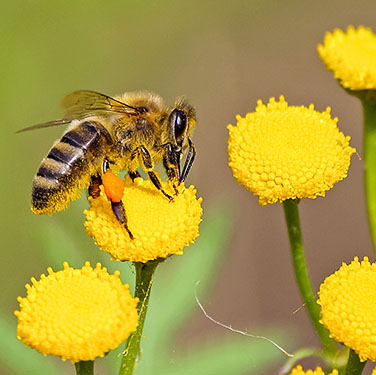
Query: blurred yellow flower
{"x": 298, "y": 370}
{"x": 348, "y": 307}
{"x": 351, "y": 55}
{"x": 76, "y": 314}
{"x": 284, "y": 152}
{"x": 160, "y": 228}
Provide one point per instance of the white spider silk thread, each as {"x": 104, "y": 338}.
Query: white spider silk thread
{"x": 236, "y": 330}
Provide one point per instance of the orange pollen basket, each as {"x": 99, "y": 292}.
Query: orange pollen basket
{"x": 113, "y": 186}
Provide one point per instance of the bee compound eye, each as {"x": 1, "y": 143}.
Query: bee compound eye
{"x": 179, "y": 122}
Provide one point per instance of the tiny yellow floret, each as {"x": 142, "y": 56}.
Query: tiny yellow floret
{"x": 160, "y": 228}
{"x": 76, "y": 314}
{"x": 284, "y": 152}
{"x": 348, "y": 307}
{"x": 298, "y": 370}
{"x": 351, "y": 55}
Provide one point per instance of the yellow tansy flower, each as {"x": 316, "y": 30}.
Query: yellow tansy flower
{"x": 160, "y": 228}
{"x": 76, "y": 314}
{"x": 351, "y": 55}
{"x": 280, "y": 152}
{"x": 298, "y": 370}
{"x": 348, "y": 307}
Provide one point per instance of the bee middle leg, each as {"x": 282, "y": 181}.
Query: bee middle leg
{"x": 133, "y": 175}
{"x": 148, "y": 164}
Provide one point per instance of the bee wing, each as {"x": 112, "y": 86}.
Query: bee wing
{"x": 85, "y": 103}
{"x": 80, "y": 104}
{"x": 45, "y": 125}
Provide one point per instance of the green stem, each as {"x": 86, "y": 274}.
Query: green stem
{"x": 301, "y": 272}
{"x": 144, "y": 279}
{"x": 84, "y": 367}
{"x": 369, "y": 152}
{"x": 354, "y": 366}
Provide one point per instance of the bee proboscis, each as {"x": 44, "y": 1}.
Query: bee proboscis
{"x": 123, "y": 133}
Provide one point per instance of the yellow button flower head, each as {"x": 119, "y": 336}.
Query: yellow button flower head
{"x": 160, "y": 228}
{"x": 298, "y": 370}
{"x": 76, "y": 314}
{"x": 351, "y": 55}
{"x": 280, "y": 152}
{"x": 348, "y": 307}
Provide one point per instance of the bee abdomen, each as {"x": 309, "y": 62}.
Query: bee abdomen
{"x": 68, "y": 167}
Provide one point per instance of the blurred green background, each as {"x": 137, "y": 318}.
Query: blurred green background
{"x": 223, "y": 56}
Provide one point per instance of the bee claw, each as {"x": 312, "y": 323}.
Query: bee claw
{"x": 176, "y": 192}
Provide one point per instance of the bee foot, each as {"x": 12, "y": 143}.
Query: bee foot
{"x": 129, "y": 232}
{"x": 167, "y": 196}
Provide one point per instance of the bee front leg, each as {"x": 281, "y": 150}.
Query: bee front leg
{"x": 148, "y": 165}
{"x": 188, "y": 161}
{"x": 171, "y": 163}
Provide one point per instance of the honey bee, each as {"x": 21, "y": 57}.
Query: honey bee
{"x": 122, "y": 133}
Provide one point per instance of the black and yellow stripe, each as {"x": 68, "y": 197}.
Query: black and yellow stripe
{"x": 68, "y": 167}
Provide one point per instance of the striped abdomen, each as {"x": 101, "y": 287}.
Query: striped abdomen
{"x": 68, "y": 167}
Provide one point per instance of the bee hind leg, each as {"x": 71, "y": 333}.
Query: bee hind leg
{"x": 106, "y": 165}
{"x": 119, "y": 212}
{"x": 94, "y": 187}
{"x": 117, "y": 207}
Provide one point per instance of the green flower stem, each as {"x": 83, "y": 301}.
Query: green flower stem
{"x": 84, "y": 367}
{"x": 369, "y": 155}
{"x": 144, "y": 279}
{"x": 354, "y": 366}
{"x": 301, "y": 272}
